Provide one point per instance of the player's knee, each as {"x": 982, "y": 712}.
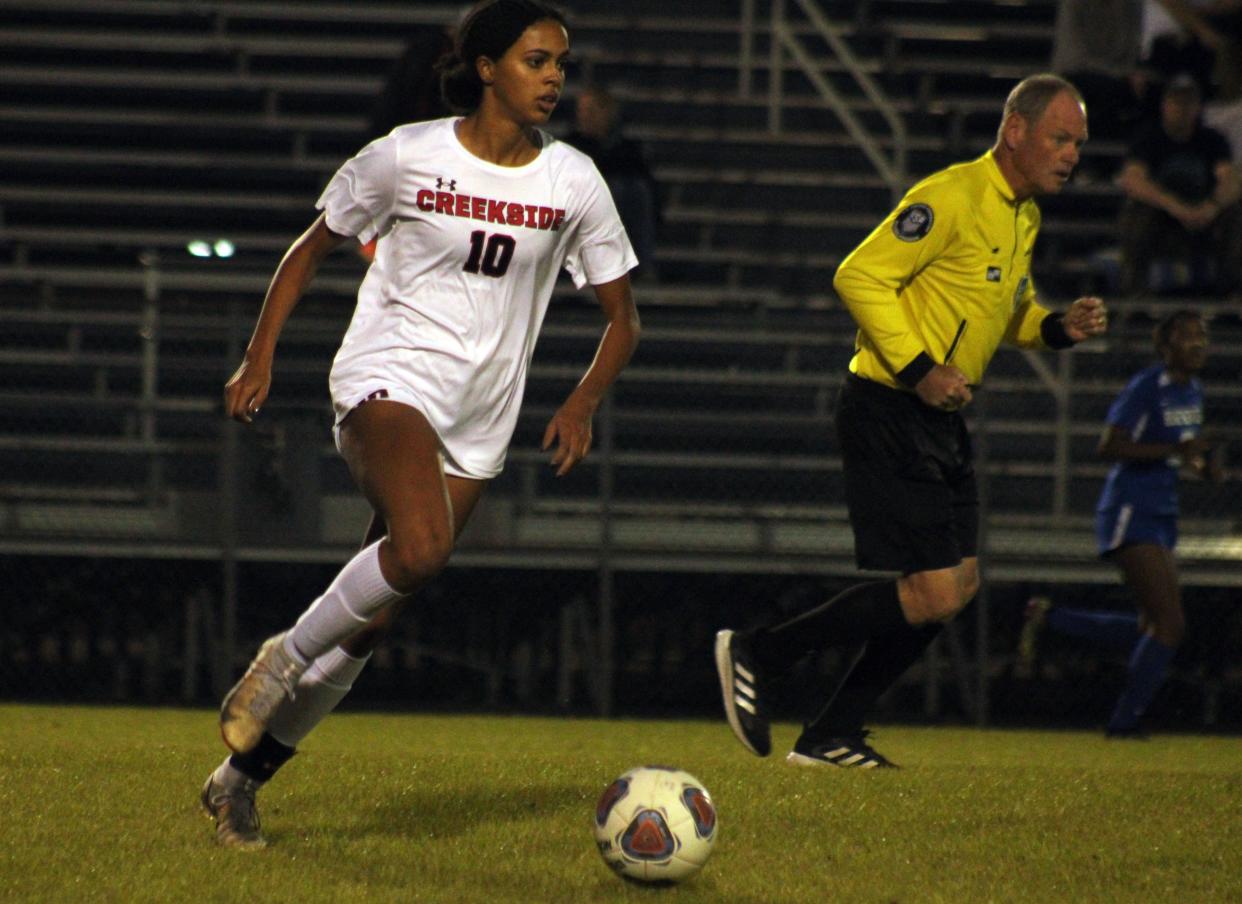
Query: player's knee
{"x": 1170, "y": 629}
{"x": 418, "y": 554}
{"x": 942, "y": 607}
{"x": 937, "y": 602}
{"x": 970, "y": 587}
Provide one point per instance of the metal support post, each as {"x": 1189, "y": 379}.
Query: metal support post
{"x": 606, "y": 575}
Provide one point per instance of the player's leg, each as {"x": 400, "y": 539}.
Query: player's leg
{"x": 229, "y": 794}
{"x": 394, "y": 456}
{"x": 940, "y": 527}
{"x": 1115, "y": 527}
{"x": 333, "y": 674}
{"x": 1151, "y": 573}
{"x": 891, "y": 618}
{"x": 902, "y": 521}
{"x": 836, "y": 735}
{"x": 1227, "y": 242}
{"x": 1116, "y": 631}
{"x": 319, "y": 691}
{"x": 1141, "y": 228}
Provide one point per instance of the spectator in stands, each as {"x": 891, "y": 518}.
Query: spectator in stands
{"x": 622, "y": 163}
{"x": 1182, "y": 194}
{"x": 1153, "y": 431}
{"x": 1102, "y": 62}
{"x": 476, "y": 218}
{"x": 935, "y": 289}
{"x": 1205, "y": 40}
{"x": 1172, "y": 46}
{"x": 1216, "y": 27}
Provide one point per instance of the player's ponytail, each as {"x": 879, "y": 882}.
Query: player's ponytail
{"x": 488, "y": 30}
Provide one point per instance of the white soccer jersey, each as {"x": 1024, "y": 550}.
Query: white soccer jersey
{"x": 467, "y": 258}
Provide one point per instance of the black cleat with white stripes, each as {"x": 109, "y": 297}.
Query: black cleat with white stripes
{"x": 851, "y": 752}
{"x": 739, "y": 687}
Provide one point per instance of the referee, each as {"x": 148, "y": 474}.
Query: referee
{"x": 934, "y": 290}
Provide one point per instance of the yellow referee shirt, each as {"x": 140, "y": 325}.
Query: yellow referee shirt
{"x": 947, "y": 274}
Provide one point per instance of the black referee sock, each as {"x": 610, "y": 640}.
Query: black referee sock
{"x": 262, "y": 762}
{"x": 883, "y": 661}
{"x": 848, "y": 619}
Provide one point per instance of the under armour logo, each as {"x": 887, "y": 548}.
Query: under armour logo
{"x": 452, "y": 183}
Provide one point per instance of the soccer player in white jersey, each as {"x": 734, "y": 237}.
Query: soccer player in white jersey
{"x": 475, "y": 218}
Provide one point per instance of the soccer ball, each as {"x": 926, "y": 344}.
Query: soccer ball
{"x": 655, "y": 824}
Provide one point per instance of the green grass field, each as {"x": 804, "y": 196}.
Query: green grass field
{"x": 102, "y": 805}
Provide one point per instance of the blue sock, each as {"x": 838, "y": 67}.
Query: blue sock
{"x": 1148, "y": 667}
{"x": 1115, "y": 630}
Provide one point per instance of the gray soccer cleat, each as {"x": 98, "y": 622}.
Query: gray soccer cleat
{"x": 237, "y": 819}
{"x": 252, "y": 702}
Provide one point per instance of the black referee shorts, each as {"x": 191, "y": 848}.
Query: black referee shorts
{"x": 909, "y": 482}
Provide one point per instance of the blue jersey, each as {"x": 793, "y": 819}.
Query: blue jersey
{"x": 1152, "y": 409}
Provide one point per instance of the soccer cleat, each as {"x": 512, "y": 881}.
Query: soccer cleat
{"x": 1036, "y": 616}
{"x": 739, "y": 686}
{"x": 851, "y": 752}
{"x": 237, "y": 819}
{"x": 252, "y": 702}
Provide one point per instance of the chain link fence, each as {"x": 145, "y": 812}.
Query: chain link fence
{"x": 149, "y": 544}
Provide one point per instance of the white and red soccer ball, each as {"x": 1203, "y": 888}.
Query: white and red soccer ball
{"x": 655, "y": 824}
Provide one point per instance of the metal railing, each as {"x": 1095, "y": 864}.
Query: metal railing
{"x": 785, "y": 48}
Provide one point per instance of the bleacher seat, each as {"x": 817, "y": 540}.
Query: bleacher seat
{"x": 130, "y": 128}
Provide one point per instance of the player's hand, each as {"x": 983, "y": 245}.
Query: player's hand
{"x": 1194, "y": 447}
{"x": 944, "y": 387}
{"x": 246, "y": 390}
{"x": 1085, "y": 318}
{"x": 1197, "y": 217}
{"x": 1214, "y": 464}
{"x": 1194, "y": 454}
{"x": 570, "y": 429}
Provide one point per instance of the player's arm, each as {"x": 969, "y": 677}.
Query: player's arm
{"x": 247, "y": 389}
{"x": 1212, "y": 464}
{"x": 1228, "y": 185}
{"x": 1136, "y": 181}
{"x": 1203, "y": 213}
{"x": 570, "y": 427}
{"x": 1034, "y": 326}
{"x": 1117, "y": 445}
{"x": 870, "y": 278}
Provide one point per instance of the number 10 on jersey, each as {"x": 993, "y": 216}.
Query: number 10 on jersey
{"x": 490, "y": 254}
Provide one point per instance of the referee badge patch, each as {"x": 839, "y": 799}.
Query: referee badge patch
{"x": 913, "y": 223}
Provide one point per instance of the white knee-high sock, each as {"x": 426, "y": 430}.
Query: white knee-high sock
{"x": 320, "y": 689}
{"x": 355, "y": 596}
{"x": 228, "y": 777}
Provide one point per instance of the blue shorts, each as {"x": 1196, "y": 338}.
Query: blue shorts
{"x": 1125, "y": 524}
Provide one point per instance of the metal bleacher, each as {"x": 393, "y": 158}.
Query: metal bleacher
{"x": 129, "y": 128}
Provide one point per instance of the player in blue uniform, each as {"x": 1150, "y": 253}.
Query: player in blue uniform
{"x": 1153, "y": 431}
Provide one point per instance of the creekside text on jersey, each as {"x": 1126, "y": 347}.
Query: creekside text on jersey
{"x": 505, "y": 213}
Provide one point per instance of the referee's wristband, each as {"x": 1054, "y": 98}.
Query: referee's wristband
{"x": 1052, "y": 331}
{"x": 916, "y": 370}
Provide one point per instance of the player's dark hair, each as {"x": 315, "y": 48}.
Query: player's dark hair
{"x": 1031, "y": 96}
{"x": 1162, "y": 335}
{"x": 488, "y": 30}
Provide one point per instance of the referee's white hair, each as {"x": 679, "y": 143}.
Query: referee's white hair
{"x": 1031, "y": 96}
